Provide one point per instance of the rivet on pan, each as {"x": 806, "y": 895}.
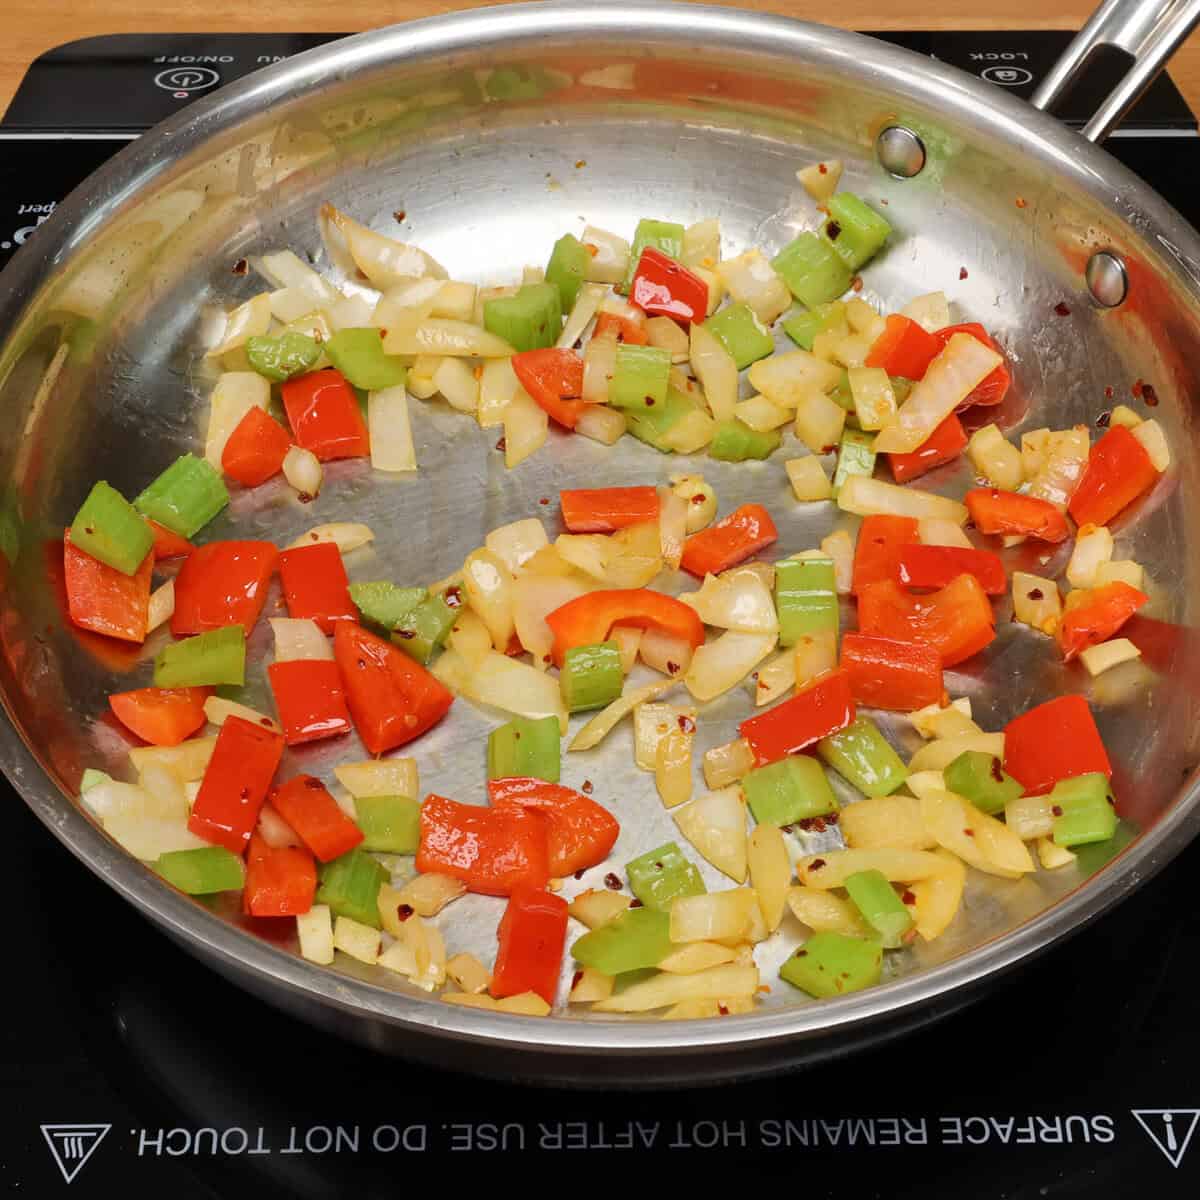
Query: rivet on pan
{"x": 900, "y": 151}
{"x": 1107, "y": 279}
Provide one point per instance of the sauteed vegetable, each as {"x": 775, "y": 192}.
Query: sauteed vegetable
{"x": 667, "y": 341}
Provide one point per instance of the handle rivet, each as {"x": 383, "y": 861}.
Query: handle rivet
{"x": 1107, "y": 279}
{"x": 901, "y": 153}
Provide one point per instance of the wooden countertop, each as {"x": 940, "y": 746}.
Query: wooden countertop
{"x": 33, "y": 26}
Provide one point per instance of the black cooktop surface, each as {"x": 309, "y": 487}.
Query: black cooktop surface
{"x": 129, "y": 1070}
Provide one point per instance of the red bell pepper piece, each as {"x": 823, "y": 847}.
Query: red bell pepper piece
{"x": 281, "y": 881}
{"x": 877, "y": 551}
{"x": 620, "y": 329}
{"x": 256, "y": 449}
{"x": 581, "y": 833}
{"x": 994, "y": 511}
{"x": 664, "y": 288}
{"x": 161, "y": 716}
{"x": 588, "y": 619}
{"x": 957, "y": 620}
{"x": 904, "y": 348}
{"x": 533, "y": 932}
{"x": 994, "y": 387}
{"x": 921, "y": 566}
{"x": 824, "y": 707}
{"x": 306, "y": 805}
{"x": 223, "y": 583}
{"x": 554, "y": 378}
{"x": 392, "y": 698}
{"x": 1056, "y": 740}
{"x": 167, "y": 543}
{"x": 901, "y": 676}
{"x": 1118, "y": 471}
{"x": 315, "y": 585}
{"x": 1098, "y": 617}
{"x": 492, "y": 850}
{"x": 732, "y": 540}
{"x": 309, "y": 700}
{"x": 103, "y": 600}
{"x": 943, "y": 445}
{"x": 235, "y": 783}
{"x": 605, "y": 510}
{"x": 323, "y": 412}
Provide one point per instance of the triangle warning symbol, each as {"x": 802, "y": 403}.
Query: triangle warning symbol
{"x": 1170, "y": 1129}
{"x": 72, "y": 1145}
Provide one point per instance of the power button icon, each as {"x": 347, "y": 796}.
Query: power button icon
{"x": 183, "y": 81}
{"x": 1007, "y": 76}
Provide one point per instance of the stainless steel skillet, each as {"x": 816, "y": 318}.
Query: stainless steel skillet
{"x": 608, "y": 112}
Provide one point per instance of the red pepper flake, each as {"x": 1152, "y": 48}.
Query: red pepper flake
{"x": 245, "y": 793}
{"x": 501, "y": 445}
{"x": 1035, "y": 594}
{"x": 591, "y": 249}
{"x": 833, "y": 231}
{"x": 241, "y": 267}
{"x": 1136, "y": 388}
{"x": 1108, "y": 393}
{"x": 822, "y": 169}
{"x": 304, "y": 497}
{"x": 313, "y": 782}
{"x": 580, "y": 163}
{"x": 266, "y": 721}
{"x": 406, "y": 634}
{"x": 812, "y": 825}
{"x": 907, "y": 897}
{"x": 830, "y": 450}
{"x": 997, "y": 771}
{"x": 856, "y": 284}
{"x": 969, "y": 832}
{"x": 546, "y": 658}
{"x": 1149, "y": 395}
{"x": 816, "y": 864}
{"x": 801, "y": 953}
{"x": 649, "y": 401}
{"x": 635, "y": 903}
{"x": 453, "y": 597}
{"x": 698, "y": 498}
{"x": 612, "y": 882}
{"x": 885, "y": 203}
{"x": 404, "y": 911}
{"x": 1020, "y": 201}
{"x": 722, "y": 1009}
{"x": 672, "y": 668}
{"x": 575, "y": 979}
{"x": 1062, "y": 310}
{"x": 1104, "y": 419}
{"x": 579, "y": 873}
{"x": 687, "y": 724}
{"x": 586, "y": 787}
{"x": 962, "y": 272}
{"x": 400, "y": 216}
{"x": 544, "y": 500}
{"x": 1056, "y": 810}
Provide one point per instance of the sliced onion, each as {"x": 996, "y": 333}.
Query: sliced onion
{"x": 761, "y": 414}
{"x": 700, "y": 497}
{"x": 691, "y": 433}
{"x": 349, "y": 312}
{"x": 673, "y": 765}
{"x": 601, "y": 423}
{"x": 937, "y": 531}
{"x": 187, "y": 761}
{"x": 298, "y": 638}
{"x": 293, "y": 304}
{"x": 824, "y": 912}
{"x": 725, "y": 984}
{"x": 516, "y": 687}
{"x": 457, "y": 383}
{"x": 716, "y": 370}
{"x": 651, "y": 724}
{"x": 526, "y": 427}
{"x": 382, "y": 260}
{"x": 774, "y": 677}
{"x": 587, "y": 304}
{"x": 979, "y": 840}
{"x": 437, "y": 335}
{"x": 636, "y": 555}
{"x": 609, "y": 256}
{"x": 302, "y": 469}
{"x": 672, "y": 526}
{"x": 820, "y": 179}
{"x": 924, "y": 719}
{"x": 813, "y": 655}
{"x": 162, "y": 605}
{"x": 808, "y": 479}
{"x": 964, "y": 364}
{"x": 1114, "y": 652}
{"x": 832, "y": 868}
{"x": 936, "y": 900}
{"x": 882, "y": 821}
{"x": 517, "y": 543}
{"x": 489, "y": 585}
{"x": 497, "y": 386}
{"x": 587, "y": 552}
{"x": 738, "y": 600}
{"x": 286, "y": 269}
{"x": 235, "y": 394}
{"x": 345, "y": 535}
{"x": 931, "y": 311}
{"x": 416, "y": 296}
{"x": 217, "y": 710}
{"x": 1060, "y": 472}
{"x": 534, "y": 598}
{"x": 599, "y": 727}
{"x": 1030, "y": 817}
{"x": 724, "y": 663}
{"x": 697, "y": 956}
{"x": 469, "y": 636}
{"x": 664, "y": 334}
{"x": 819, "y": 421}
{"x": 594, "y": 908}
{"x": 770, "y": 869}
{"x": 1093, "y": 547}
{"x": 726, "y": 764}
{"x": 628, "y": 639}
{"x": 1036, "y": 602}
{"x": 274, "y": 830}
{"x": 716, "y": 825}
{"x": 469, "y": 974}
{"x": 380, "y": 777}
{"x": 866, "y": 496}
{"x": 599, "y": 363}
{"x": 702, "y": 244}
{"x": 248, "y": 320}
{"x": 750, "y": 279}
{"x": 666, "y": 653}
{"x": 787, "y": 378}
{"x": 718, "y": 916}
{"x": 940, "y": 753}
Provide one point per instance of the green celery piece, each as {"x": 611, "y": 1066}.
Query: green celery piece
{"x": 526, "y": 747}
{"x": 567, "y": 269}
{"x": 812, "y": 270}
{"x": 803, "y": 327}
{"x": 651, "y": 425}
{"x": 660, "y": 876}
{"x": 358, "y": 354}
{"x": 856, "y": 456}
{"x": 390, "y": 824}
{"x": 530, "y": 320}
{"x": 640, "y": 377}
{"x": 423, "y": 629}
{"x": 881, "y": 908}
{"x": 662, "y": 235}
{"x": 206, "y": 660}
{"x": 281, "y": 357}
{"x": 832, "y": 964}
{"x": 979, "y": 778}
{"x": 739, "y": 330}
{"x": 790, "y": 790}
{"x": 861, "y": 755}
{"x": 591, "y": 676}
{"x": 735, "y": 441}
{"x": 202, "y": 871}
{"x": 109, "y": 528}
{"x": 384, "y": 603}
{"x": 637, "y": 939}
{"x": 350, "y": 886}
{"x": 861, "y": 231}
{"x": 805, "y": 598}
{"x": 185, "y": 497}
{"x": 1083, "y": 810}
{"x": 91, "y": 778}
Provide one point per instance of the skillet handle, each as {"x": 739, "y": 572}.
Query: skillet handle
{"x": 1149, "y": 31}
